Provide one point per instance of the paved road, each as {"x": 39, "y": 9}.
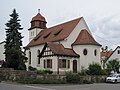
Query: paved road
{"x": 104, "y": 86}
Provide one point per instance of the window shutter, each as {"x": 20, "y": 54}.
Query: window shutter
{"x": 44, "y": 63}
{"x": 60, "y": 63}
{"x": 50, "y": 63}
{"x": 68, "y": 63}
{"x": 29, "y": 57}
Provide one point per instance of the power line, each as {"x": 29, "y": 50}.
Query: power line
{"x": 106, "y": 40}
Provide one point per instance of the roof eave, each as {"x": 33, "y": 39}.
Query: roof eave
{"x": 87, "y": 44}
{"x": 77, "y": 56}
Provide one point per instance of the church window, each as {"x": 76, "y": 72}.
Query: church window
{"x": 63, "y": 63}
{"x": 68, "y": 63}
{"x": 32, "y": 24}
{"x": 38, "y": 56}
{"x": 42, "y": 24}
{"x": 39, "y": 24}
{"x": 48, "y": 63}
{"x": 95, "y": 52}
{"x": 85, "y": 51}
{"x": 29, "y": 57}
{"x": 118, "y": 51}
{"x": 33, "y": 33}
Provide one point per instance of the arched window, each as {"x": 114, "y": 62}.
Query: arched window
{"x": 38, "y": 56}
{"x": 95, "y": 52}
{"x": 85, "y": 51}
{"x": 29, "y": 57}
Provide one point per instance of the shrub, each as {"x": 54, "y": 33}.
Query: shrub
{"x": 94, "y": 69}
{"x": 87, "y": 81}
{"x": 72, "y": 78}
{"x": 105, "y": 72}
{"x": 83, "y": 71}
{"x": 32, "y": 68}
{"x": 47, "y": 71}
{"x": 44, "y": 71}
{"x": 40, "y": 72}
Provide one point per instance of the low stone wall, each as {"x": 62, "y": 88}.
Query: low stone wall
{"x": 94, "y": 79}
{"x": 13, "y": 75}
{"x": 10, "y": 74}
{"x": 51, "y": 77}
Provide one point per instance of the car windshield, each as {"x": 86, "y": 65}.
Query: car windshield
{"x": 113, "y": 75}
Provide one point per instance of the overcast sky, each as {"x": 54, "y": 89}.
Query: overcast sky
{"x": 102, "y": 16}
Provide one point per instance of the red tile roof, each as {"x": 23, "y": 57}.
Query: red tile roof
{"x": 58, "y": 49}
{"x": 104, "y": 54}
{"x": 85, "y": 38}
{"x": 38, "y": 17}
{"x": 56, "y": 33}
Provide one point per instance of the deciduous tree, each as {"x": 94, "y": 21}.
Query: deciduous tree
{"x": 113, "y": 65}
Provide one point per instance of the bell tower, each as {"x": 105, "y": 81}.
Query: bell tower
{"x": 38, "y": 23}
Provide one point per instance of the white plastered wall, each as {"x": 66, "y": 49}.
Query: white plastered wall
{"x": 2, "y": 56}
{"x": 115, "y": 55}
{"x": 54, "y": 63}
{"x": 34, "y": 54}
{"x": 85, "y": 60}
{"x": 74, "y": 34}
{"x": 33, "y": 33}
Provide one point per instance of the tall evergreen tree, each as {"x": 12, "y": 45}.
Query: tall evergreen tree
{"x": 14, "y": 56}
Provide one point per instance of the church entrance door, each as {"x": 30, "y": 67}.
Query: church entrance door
{"x": 74, "y": 66}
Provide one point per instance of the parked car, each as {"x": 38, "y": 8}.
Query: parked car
{"x": 113, "y": 78}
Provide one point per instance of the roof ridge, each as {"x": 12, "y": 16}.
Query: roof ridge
{"x": 64, "y": 23}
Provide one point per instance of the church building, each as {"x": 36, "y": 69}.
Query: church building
{"x": 2, "y": 56}
{"x": 65, "y": 47}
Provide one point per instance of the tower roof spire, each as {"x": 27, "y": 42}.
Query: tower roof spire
{"x": 38, "y": 17}
{"x": 38, "y": 10}
{"x": 38, "y": 21}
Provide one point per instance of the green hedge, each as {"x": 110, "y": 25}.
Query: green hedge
{"x": 44, "y": 72}
{"x": 39, "y": 81}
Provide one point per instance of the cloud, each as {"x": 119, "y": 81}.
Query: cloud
{"x": 102, "y": 16}
{"x": 106, "y": 29}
